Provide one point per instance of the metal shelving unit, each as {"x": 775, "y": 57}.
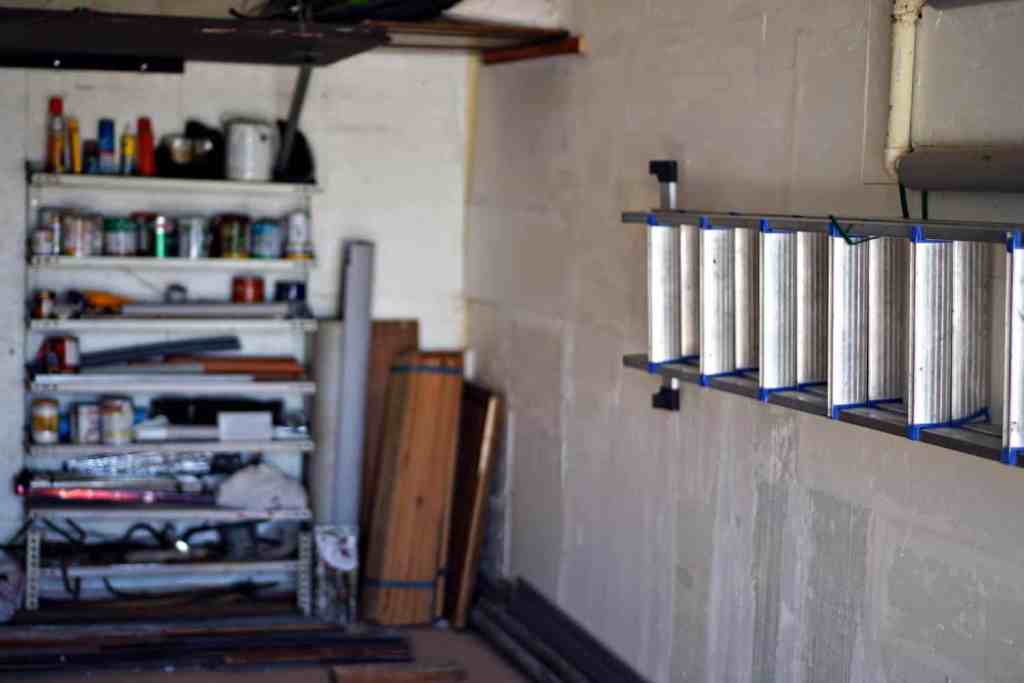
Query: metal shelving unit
{"x": 118, "y": 191}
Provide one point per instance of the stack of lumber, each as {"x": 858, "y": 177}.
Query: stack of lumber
{"x": 408, "y": 544}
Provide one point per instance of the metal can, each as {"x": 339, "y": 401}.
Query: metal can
{"x": 289, "y": 291}
{"x": 45, "y": 421}
{"x": 43, "y": 303}
{"x": 266, "y": 239}
{"x": 86, "y": 423}
{"x": 120, "y": 237}
{"x": 117, "y": 416}
{"x": 300, "y": 239}
{"x": 107, "y": 145}
{"x": 193, "y": 237}
{"x": 233, "y": 237}
{"x": 247, "y": 289}
{"x": 50, "y": 217}
{"x": 59, "y": 355}
{"x": 43, "y": 242}
{"x": 77, "y": 234}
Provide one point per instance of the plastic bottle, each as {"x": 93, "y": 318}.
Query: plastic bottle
{"x": 107, "y": 146}
{"x": 146, "y": 148}
{"x": 55, "y": 131}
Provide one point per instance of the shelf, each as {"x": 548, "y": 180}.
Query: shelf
{"x": 164, "y": 325}
{"x": 102, "y": 263}
{"x": 170, "y": 569}
{"x": 131, "y": 513}
{"x": 172, "y": 386}
{"x": 974, "y": 231}
{"x": 171, "y": 447}
{"x": 982, "y": 440}
{"x": 115, "y": 183}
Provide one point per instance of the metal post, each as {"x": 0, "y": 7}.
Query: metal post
{"x": 972, "y": 353}
{"x": 663, "y": 278}
{"x": 294, "y": 113}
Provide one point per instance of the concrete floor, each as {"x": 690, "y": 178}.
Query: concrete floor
{"x": 482, "y": 663}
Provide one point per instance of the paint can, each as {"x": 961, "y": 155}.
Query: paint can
{"x": 43, "y": 242}
{"x": 247, "y": 289}
{"x": 43, "y": 303}
{"x": 45, "y": 421}
{"x": 193, "y": 237}
{"x": 251, "y": 148}
{"x": 286, "y": 291}
{"x": 59, "y": 355}
{"x": 50, "y": 218}
{"x": 77, "y": 235}
{"x": 233, "y": 237}
{"x": 266, "y": 239}
{"x": 117, "y": 416}
{"x": 120, "y": 237}
{"x": 300, "y": 239}
{"x": 86, "y": 423}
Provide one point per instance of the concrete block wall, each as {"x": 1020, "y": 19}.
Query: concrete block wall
{"x": 389, "y": 135}
{"x": 732, "y": 541}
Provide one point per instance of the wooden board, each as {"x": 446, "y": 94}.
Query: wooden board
{"x": 478, "y": 426}
{"x": 388, "y": 340}
{"x": 407, "y": 547}
{"x": 419, "y": 672}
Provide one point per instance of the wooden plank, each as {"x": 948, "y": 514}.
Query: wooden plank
{"x": 419, "y": 672}
{"x": 574, "y": 45}
{"x": 407, "y": 545}
{"x": 388, "y": 340}
{"x": 478, "y": 426}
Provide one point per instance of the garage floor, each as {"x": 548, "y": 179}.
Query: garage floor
{"x": 481, "y": 662}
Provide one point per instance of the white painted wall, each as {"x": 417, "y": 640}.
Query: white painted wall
{"x": 389, "y": 134}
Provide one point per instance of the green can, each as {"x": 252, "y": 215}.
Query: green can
{"x": 163, "y": 235}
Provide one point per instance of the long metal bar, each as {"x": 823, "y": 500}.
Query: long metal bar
{"x": 811, "y": 308}
{"x": 747, "y": 283}
{"x": 778, "y": 293}
{"x": 887, "y": 296}
{"x": 294, "y": 113}
{"x": 848, "y": 325}
{"x": 931, "y": 316}
{"x": 974, "y": 231}
{"x": 971, "y": 352}
{"x": 717, "y": 301}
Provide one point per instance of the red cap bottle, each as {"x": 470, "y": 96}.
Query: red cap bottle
{"x": 56, "y": 106}
{"x": 146, "y": 164}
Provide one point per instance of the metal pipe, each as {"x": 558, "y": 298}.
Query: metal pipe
{"x": 905, "y": 16}
{"x": 664, "y": 326}
{"x": 294, "y": 113}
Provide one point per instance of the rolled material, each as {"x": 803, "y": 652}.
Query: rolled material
{"x": 887, "y": 318}
{"x": 811, "y": 308}
{"x": 848, "y": 324}
{"x": 717, "y": 301}
{"x": 663, "y": 299}
{"x": 971, "y": 356}
{"x": 357, "y": 295}
{"x": 326, "y": 370}
{"x": 747, "y": 312}
{"x": 779, "y": 320}
{"x": 931, "y": 315}
{"x": 1013, "y": 391}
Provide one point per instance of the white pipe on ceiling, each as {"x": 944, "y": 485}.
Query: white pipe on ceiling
{"x": 905, "y": 17}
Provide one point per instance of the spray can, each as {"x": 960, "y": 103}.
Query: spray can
{"x": 128, "y": 151}
{"x": 74, "y": 145}
{"x": 146, "y": 164}
{"x": 107, "y": 147}
{"x": 55, "y": 130}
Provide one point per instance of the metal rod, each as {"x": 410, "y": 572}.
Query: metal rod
{"x": 294, "y": 113}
